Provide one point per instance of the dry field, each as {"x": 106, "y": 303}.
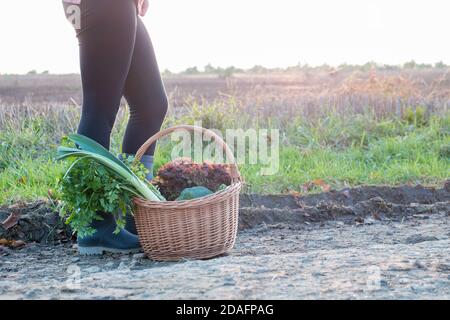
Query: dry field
{"x": 309, "y": 89}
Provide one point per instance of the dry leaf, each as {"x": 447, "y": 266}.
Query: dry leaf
{"x": 17, "y": 244}
{"x": 295, "y": 193}
{"x": 318, "y": 182}
{"x": 305, "y": 188}
{"x": 11, "y": 221}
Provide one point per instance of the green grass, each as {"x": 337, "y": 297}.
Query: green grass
{"x": 342, "y": 150}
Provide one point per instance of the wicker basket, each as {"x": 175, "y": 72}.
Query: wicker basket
{"x": 192, "y": 229}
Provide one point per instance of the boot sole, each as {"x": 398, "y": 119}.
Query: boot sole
{"x": 97, "y": 251}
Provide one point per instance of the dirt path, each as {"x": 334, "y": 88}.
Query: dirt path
{"x": 365, "y": 242}
{"x": 404, "y": 259}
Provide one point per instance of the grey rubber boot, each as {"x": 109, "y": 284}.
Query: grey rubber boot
{"x": 104, "y": 239}
{"x": 147, "y": 161}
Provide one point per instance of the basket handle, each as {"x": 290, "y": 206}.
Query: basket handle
{"x": 235, "y": 175}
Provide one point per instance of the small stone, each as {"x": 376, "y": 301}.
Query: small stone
{"x": 75, "y": 259}
{"x": 139, "y": 256}
{"x": 229, "y": 281}
{"x": 418, "y": 238}
{"x": 384, "y": 283}
{"x": 31, "y": 294}
{"x": 262, "y": 228}
{"x": 442, "y": 267}
{"x": 47, "y": 253}
{"x": 318, "y": 274}
{"x": 419, "y": 265}
{"x": 263, "y": 270}
{"x": 404, "y": 281}
{"x": 359, "y": 220}
{"x": 421, "y": 216}
{"x": 31, "y": 247}
{"x": 400, "y": 267}
{"x": 93, "y": 269}
{"x": 4, "y": 251}
{"x": 369, "y": 221}
{"x": 123, "y": 266}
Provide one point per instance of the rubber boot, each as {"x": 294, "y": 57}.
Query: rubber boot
{"x": 104, "y": 239}
{"x": 147, "y": 161}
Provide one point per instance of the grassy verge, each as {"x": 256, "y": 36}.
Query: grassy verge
{"x": 340, "y": 149}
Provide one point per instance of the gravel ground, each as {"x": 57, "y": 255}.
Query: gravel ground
{"x": 406, "y": 259}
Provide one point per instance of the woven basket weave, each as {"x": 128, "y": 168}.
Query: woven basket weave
{"x": 192, "y": 229}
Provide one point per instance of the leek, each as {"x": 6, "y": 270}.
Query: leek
{"x": 89, "y": 149}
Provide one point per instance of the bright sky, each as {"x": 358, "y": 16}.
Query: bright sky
{"x": 35, "y": 35}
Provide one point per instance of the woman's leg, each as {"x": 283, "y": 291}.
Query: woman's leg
{"x": 145, "y": 94}
{"x": 107, "y": 40}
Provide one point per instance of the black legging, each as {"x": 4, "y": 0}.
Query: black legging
{"x": 117, "y": 59}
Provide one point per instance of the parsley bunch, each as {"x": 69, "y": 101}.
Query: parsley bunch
{"x": 92, "y": 184}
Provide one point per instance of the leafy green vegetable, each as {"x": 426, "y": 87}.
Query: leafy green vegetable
{"x": 98, "y": 181}
{"x": 98, "y": 153}
{"x": 193, "y": 193}
{"x": 90, "y": 145}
